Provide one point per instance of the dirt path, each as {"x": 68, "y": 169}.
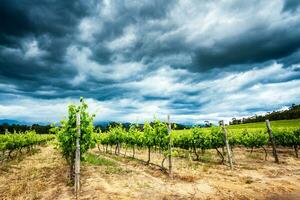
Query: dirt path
{"x": 139, "y": 182}
{"x": 44, "y": 175}
{"x": 251, "y": 179}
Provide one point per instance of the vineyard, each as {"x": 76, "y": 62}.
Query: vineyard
{"x": 156, "y": 137}
{"x": 128, "y": 163}
{"x": 16, "y": 142}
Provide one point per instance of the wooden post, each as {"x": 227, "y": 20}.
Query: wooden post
{"x": 6, "y": 131}
{"x": 170, "y": 148}
{"x": 77, "y": 157}
{"x": 227, "y": 145}
{"x": 272, "y": 141}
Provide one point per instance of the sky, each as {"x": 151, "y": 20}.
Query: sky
{"x": 132, "y": 60}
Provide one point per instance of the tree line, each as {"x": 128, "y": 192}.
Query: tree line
{"x": 45, "y": 129}
{"x": 126, "y": 126}
{"x": 39, "y": 129}
{"x": 293, "y": 112}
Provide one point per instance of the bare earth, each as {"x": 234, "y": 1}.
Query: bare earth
{"x": 44, "y": 175}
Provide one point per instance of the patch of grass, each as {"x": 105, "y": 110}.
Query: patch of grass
{"x": 206, "y": 167}
{"x": 248, "y": 180}
{"x": 255, "y": 156}
{"x": 53, "y": 143}
{"x": 186, "y": 177}
{"x": 111, "y": 167}
{"x": 248, "y": 167}
{"x": 193, "y": 165}
{"x": 143, "y": 185}
{"x": 97, "y": 160}
{"x": 70, "y": 183}
{"x": 116, "y": 170}
{"x": 206, "y": 157}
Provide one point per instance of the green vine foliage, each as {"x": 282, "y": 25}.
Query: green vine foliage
{"x": 155, "y": 135}
{"x": 297, "y": 136}
{"x": 217, "y": 138}
{"x": 67, "y": 132}
{"x": 287, "y": 137}
{"x": 149, "y": 137}
{"x": 182, "y": 140}
{"x": 160, "y": 134}
{"x": 201, "y": 139}
{"x": 17, "y": 141}
{"x": 235, "y": 137}
{"x": 135, "y": 136}
{"x": 254, "y": 139}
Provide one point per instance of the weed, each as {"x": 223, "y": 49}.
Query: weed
{"x": 248, "y": 180}
{"x": 256, "y": 156}
{"x": 97, "y": 160}
{"x": 207, "y": 157}
{"x": 116, "y": 170}
{"x": 206, "y": 167}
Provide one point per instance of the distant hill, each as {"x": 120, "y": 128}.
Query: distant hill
{"x": 10, "y": 122}
{"x": 102, "y": 123}
{"x": 13, "y": 121}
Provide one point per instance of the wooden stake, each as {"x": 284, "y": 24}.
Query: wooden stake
{"x": 227, "y": 145}
{"x": 170, "y": 148}
{"x": 272, "y": 141}
{"x": 77, "y": 157}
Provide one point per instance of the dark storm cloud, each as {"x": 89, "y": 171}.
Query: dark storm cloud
{"x": 291, "y": 59}
{"x": 262, "y": 41}
{"x": 258, "y": 46}
{"x": 31, "y": 74}
{"x": 51, "y": 24}
{"x": 19, "y": 18}
{"x": 54, "y": 25}
{"x": 135, "y": 14}
{"x": 291, "y": 5}
{"x": 185, "y": 107}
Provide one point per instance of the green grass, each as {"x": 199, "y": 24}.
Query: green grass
{"x": 279, "y": 124}
{"x": 294, "y": 123}
{"x": 207, "y": 157}
{"x": 116, "y": 170}
{"x": 255, "y": 156}
{"x": 206, "y": 167}
{"x": 97, "y": 160}
{"x": 110, "y": 166}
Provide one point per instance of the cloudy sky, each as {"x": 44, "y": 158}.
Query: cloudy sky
{"x": 193, "y": 59}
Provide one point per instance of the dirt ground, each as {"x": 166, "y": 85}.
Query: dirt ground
{"x": 44, "y": 175}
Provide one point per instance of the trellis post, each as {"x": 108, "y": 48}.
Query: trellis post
{"x": 272, "y": 141}
{"x": 227, "y": 145}
{"x": 77, "y": 156}
{"x": 170, "y": 148}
